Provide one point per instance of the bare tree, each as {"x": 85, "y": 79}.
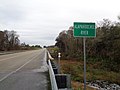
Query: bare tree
{"x": 1, "y": 39}
{"x": 9, "y": 40}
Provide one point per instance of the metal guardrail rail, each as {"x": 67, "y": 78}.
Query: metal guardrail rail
{"x": 56, "y": 79}
{"x": 52, "y": 77}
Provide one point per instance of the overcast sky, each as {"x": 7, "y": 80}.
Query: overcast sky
{"x": 40, "y": 21}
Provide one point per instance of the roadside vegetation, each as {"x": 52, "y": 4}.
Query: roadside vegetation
{"x": 9, "y": 41}
{"x": 104, "y": 48}
{"x": 94, "y": 72}
{"x": 103, "y": 51}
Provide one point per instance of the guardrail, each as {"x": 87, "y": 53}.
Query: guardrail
{"x": 52, "y": 77}
{"x": 58, "y": 81}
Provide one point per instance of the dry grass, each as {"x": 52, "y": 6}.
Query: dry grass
{"x": 75, "y": 68}
{"x": 75, "y": 85}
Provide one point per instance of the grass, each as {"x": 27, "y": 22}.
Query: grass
{"x": 94, "y": 72}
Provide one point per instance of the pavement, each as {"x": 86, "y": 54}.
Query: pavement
{"x": 24, "y": 71}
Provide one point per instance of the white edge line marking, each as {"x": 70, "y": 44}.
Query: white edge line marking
{"x": 17, "y": 69}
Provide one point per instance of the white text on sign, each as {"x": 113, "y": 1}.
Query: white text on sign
{"x": 84, "y": 26}
{"x": 84, "y": 32}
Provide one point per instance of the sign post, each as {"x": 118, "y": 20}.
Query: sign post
{"x": 84, "y": 30}
{"x": 84, "y": 62}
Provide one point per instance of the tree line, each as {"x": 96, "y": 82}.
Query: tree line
{"x": 104, "y": 48}
{"x": 9, "y": 40}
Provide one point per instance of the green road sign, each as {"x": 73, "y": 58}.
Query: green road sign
{"x": 84, "y": 29}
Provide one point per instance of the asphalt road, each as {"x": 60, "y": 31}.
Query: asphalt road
{"x": 24, "y": 71}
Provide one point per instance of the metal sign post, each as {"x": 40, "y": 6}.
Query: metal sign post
{"x": 84, "y": 48}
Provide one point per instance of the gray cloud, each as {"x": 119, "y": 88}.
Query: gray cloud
{"x": 40, "y": 21}
{"x": 10, "y": 13}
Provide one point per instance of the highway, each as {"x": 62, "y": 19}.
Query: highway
{"x": 24, "y": 71}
